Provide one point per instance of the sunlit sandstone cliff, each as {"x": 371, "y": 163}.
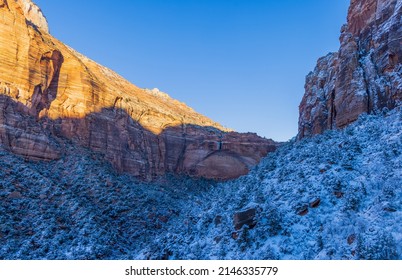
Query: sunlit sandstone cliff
{"x": 365, "y": 76}
{"x": 50, "y": 93}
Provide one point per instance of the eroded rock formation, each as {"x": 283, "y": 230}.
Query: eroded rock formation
{"x": 365, "y": 76}
{"x": 50, "y": 93}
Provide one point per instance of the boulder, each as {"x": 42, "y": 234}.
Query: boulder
{"x": 245, "y": 217}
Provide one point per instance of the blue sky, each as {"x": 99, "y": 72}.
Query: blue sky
{"x": 240, "y": 62}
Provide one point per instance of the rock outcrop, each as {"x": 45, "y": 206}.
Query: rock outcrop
{"x": 33, "y": 14}
{"x": 49, "y": 93}
{"x": 365, "y": 76}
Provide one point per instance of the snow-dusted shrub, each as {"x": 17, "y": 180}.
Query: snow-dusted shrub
{"x": 376, "y": 244}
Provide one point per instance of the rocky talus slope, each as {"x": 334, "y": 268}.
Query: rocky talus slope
{"x": 364, "y": 76}
{"x": 49, "y": 93}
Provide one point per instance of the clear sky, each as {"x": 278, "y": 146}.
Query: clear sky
{"x": 240, "y": 62}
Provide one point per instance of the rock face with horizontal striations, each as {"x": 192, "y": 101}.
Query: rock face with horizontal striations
{"x": 365, "y": 76}
{"x": 49, "y": 94}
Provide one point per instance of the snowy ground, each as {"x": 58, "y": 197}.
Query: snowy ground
{"x": 335, "y": 196}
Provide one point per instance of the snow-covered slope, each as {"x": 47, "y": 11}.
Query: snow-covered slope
{"x": 355, "y": 177}
{"x": 356, "y": 174}
{"x": 334, "y": 196}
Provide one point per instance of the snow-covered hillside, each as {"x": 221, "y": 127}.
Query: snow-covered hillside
{"x": 334, "y": 196}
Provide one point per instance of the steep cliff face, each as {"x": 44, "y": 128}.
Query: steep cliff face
{"x": 50, "y": 93}
{"x": 365, "y": 76}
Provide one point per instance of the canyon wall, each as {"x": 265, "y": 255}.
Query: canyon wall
{"x": 50, "y": 94}
{"x": 364, "y": 76}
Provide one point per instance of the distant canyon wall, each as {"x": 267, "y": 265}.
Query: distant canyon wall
{"x": 51, "y": 95}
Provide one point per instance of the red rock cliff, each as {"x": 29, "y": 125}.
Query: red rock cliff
{"x": 50, "y": 93}
{"x": 365, "y": 76}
